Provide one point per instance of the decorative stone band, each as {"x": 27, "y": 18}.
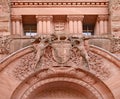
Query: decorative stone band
{"x": 60, "y": 4}
{"x": 76, "y": 81}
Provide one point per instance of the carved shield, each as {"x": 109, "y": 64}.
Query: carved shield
{"x": 61, "y": 52}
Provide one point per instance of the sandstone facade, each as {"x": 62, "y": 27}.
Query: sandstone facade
{"x": 55, "y": 49}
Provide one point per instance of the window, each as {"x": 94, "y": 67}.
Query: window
{"x": 29, "y": 25}
{"x": 30, "y": 29}
{"x": 88, "y": 29}
{"x": 89, "y": 22}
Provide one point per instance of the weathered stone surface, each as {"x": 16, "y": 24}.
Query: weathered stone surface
{"x": 4, "y": 17}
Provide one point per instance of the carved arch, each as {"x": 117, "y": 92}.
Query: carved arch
{"x": 80, "y": 78}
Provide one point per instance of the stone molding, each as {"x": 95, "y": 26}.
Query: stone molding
{"x": 79, "y": 82}
{"x": 58, "y": 73}
{"x": 58, "y": 4}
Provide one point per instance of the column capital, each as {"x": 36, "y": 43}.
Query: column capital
{"x": 102, "y": 17}
{"x": 16, "y": 17}
{"x": 44, "y": 17}
{"x": 75, "y": 17}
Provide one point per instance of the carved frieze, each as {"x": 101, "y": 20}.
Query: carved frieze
{"x": 57, "y": 3}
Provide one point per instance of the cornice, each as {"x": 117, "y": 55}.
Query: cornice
{"x": 58, "y": 4}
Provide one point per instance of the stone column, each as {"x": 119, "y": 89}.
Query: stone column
{"x": 39, "y": 25}
{"x": 16, "y": 24}
{"x": 22, "y": 31}
{"x": 80, "y": 24}
{"x": 101, "y": 24}
{"x": 49, "y": 22}
{"x": 97, "y": 30}
{"x": 44, "y": 25}
{"x": 75, "y": 26}
{"x": 13, "y": 27}
{"x": 18, "y": 27}
{"x": 70, "y": 22}
{"x": 106, "y": 24}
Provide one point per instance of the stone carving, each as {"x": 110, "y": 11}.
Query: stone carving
{"x": 114, "y": 5}
{"x": 115, "y": 45}
{"x": 5, "y": 44}
{"x": 76, "y": 81}
{"x": 76, "y": 55}
{"x": 4, "y": 17}
{"x": 5, "y": 7}
{"x": 79, "y": 44}
{"x": 97, "y": 67}
{"x": 26, "y": 66}
{"x": 39, "y": 48}
{"x": 57, "y": 3}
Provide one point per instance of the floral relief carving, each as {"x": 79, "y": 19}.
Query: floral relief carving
{"x": 97, "y": 67}
{"x": 25, "y": 67}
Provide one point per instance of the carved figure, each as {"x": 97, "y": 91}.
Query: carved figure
{"x": 39, "y": 45}
{"x": 79, "y": 43}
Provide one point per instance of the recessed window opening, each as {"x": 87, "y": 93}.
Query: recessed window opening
{"x": 29, "y": 25}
